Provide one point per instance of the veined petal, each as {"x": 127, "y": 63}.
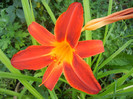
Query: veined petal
{"x": 69, "y": 24}
{"x": 42, "y": 35}
{"x": 52, "y": 75}
{"x": 100, "y": 22}
{"x": 89, "y": 48}
{"x": 80, "y": 76}
{"x": 34, "y": 57}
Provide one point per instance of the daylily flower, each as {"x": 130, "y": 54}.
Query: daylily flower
{"x": 62, "y": 52}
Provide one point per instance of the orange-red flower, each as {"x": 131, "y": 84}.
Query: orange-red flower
{"x": 62, "y": 52}
{"x": 100, "y": 22}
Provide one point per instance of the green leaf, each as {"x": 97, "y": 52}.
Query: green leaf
{"x": 120, "y": 81}
{"x": 9, "y": 92}
{"x": 49, "y": 11}
{"x": 29, "y": 16}
{"x": 7, "y": 63}
{"x": 52, "y": 94}
{"x": 17, "y": 3}
{"x": 88, "y": 34}
{"x": 20, "y": 14}
{"x": 4, "y": 43}
{"x": 122, "y": 60}
{"x": 10, "y": 10}
{"x": 12, "y": 17}
{"x": 101, "y": 75}
{"x": 14, "y": 76}
{"x": 115, "y": 54}
{"x": 110, "y": 96}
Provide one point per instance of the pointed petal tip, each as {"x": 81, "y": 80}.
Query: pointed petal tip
{"x": 69, "y": 24}
{"x": 41, "y": 34}
{"x": 89, "y": 48}
{"x": 96, "y": 91}
{"x": 48, "y": 87}
{"x": 32, "y": 23}
{"x": 51, "y": 76}
{"x": 76, "y": 3}
{"x": 80, "y": 76}
{"x": 32, "y": 58}
{"x": 13, "y": 61}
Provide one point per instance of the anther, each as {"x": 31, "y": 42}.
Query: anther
{"x": 54, "y": 58}
{"x": 40, "y": 85}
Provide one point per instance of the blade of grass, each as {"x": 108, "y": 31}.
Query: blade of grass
{"x": 7, "y": 63}
{"x": 9, "y": 92}
{"x": 110, "y": 96}
{"x": 120, "y": 81}
{"x": 111, "y": 29}
{"x": 52, "y": 94}
{"x": 115, "y": 54}
{"x": 40, "y": 80}
{"x": 101, "y": 75}
{"x": 63, "y": 80}
{"x": 74, "y": 94}
{"x": 49, "y": 11}
{"x": 88, "y": 34}
{"x": 14, "y": 76}
{"x": 95, "y": 57}
{"x": 32, "y": 13}
{"x": 29, "y": 16}
{"x": 115, "y": 89}
{"x": 125, "y": 86}
{"x": 31, "y": 82}
{"x": 127, "y": 89}
{"x": 87, "y": 14}
{"x": 104, "y": 39}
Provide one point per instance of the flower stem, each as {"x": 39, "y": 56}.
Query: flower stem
{"x": 104, "y": 39}
{"x": 49, "y": 11}
{"x": 88, "y": 34}
{"x": 29, "y": 16}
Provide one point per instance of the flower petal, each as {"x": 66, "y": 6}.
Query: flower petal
{"x": 52, "y": 75}
{"x": 42, "y": 35}
{"x": 69, "y": 24}
{"x": 89, "y": 48}
{"x": 80, "y": 76}
{"x": 34, "y": 57}
{"x": 100, "y": 22}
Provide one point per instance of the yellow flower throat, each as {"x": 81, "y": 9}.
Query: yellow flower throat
{"x": 62, "y": 52}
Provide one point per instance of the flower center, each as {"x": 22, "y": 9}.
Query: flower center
{"x": 62, "y": 52}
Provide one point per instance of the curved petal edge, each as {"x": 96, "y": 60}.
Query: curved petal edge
{"x": 89, "y": 48}
{"x": 33, "y": 58}
{"x": 80, "y": 76}
{"x": 42, "y": 35}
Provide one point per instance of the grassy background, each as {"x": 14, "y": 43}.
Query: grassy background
{"x": 15, "y": 37}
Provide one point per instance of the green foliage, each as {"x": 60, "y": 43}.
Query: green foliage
{"x": 115, "y": 66}
{"x": 15, "y": 10}
{"x": 123, "y": 60}
{"x": 12, "y": 37}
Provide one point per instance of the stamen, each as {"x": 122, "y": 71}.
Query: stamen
{"x": 44, "y": 80}
{"x": 54, "y": 58}
{"x": 40, "y": 85}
